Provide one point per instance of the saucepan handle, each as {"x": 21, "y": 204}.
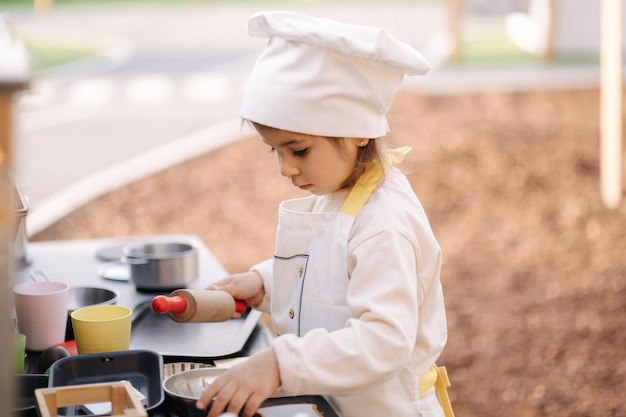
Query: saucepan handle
{"x": 35, "y": 273}
{"x": 133, "y": 261}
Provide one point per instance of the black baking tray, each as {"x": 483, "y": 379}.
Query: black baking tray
{"x": 196, "y": 341}
{"x": 142, "y": 368}
{"x": 182, "y": 390}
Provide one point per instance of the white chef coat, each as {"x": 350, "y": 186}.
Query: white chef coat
{"x": 357, "y": 301}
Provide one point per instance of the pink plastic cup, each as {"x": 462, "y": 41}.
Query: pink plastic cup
{"x": 41, "y": 309}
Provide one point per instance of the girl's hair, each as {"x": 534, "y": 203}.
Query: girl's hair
{"x": 368, "y": 156}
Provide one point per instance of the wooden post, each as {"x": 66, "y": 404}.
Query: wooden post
{"x": 611, "y": 103}
{"x": 548, "y": 51}
{"x": 14, "y": 71}
{"x": 42, "y": 6}
{"x": 455, "y": 20}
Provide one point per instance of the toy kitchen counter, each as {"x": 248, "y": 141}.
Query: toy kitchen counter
{"x": 183, "y": 347}
{"x": 96, "y": 263}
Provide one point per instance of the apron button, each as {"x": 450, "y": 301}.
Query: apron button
{"x": 292, "y": 314}
{"x": 300, "y": 272}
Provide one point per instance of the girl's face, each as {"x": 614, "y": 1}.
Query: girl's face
{"x": 312, "y": 163}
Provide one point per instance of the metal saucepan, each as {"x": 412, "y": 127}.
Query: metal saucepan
{"x": 182, "y": 389}
{"x": 161, "y": 265}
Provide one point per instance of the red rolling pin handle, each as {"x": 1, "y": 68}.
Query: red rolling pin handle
{"x": 162, "y": 304}
{"x": 240, "y": 306}
{"x": 176, "y": 304}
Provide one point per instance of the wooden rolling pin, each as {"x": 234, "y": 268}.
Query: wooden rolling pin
{"x": 198, "y": 306}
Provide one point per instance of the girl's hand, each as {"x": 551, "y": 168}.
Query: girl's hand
{"x": 243, "y": 388}
{"x": 247, "y": 286}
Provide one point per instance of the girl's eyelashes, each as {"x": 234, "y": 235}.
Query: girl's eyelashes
{"x": 299, "y": 152}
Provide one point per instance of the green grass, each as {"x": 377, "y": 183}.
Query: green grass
{"x": 48, "y": 54}
{"x": 492, "y": 47}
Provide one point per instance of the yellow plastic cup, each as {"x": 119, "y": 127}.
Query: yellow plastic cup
{"x": 102, "y": 328}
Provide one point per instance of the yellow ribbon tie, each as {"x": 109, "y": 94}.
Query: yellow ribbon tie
{"x": 368, "y": 182}
{"x": 441, "y": 386}
{"x": 437, "y": 376}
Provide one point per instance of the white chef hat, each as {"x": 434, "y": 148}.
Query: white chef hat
{"x": 322, "y": 77}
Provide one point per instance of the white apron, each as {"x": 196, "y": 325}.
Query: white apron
{"x": 310, "y": 271}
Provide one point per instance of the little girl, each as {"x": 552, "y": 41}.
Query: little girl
{"x": 353, "y": 289}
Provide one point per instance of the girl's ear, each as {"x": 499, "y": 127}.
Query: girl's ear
{"x": 358, "y": 142}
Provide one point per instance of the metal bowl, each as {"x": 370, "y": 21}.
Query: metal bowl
{"x": 88, "y": 296}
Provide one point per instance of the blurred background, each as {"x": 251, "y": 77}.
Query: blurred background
{"x": 115, "y": 81}
{"x": 129, "y": 126}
